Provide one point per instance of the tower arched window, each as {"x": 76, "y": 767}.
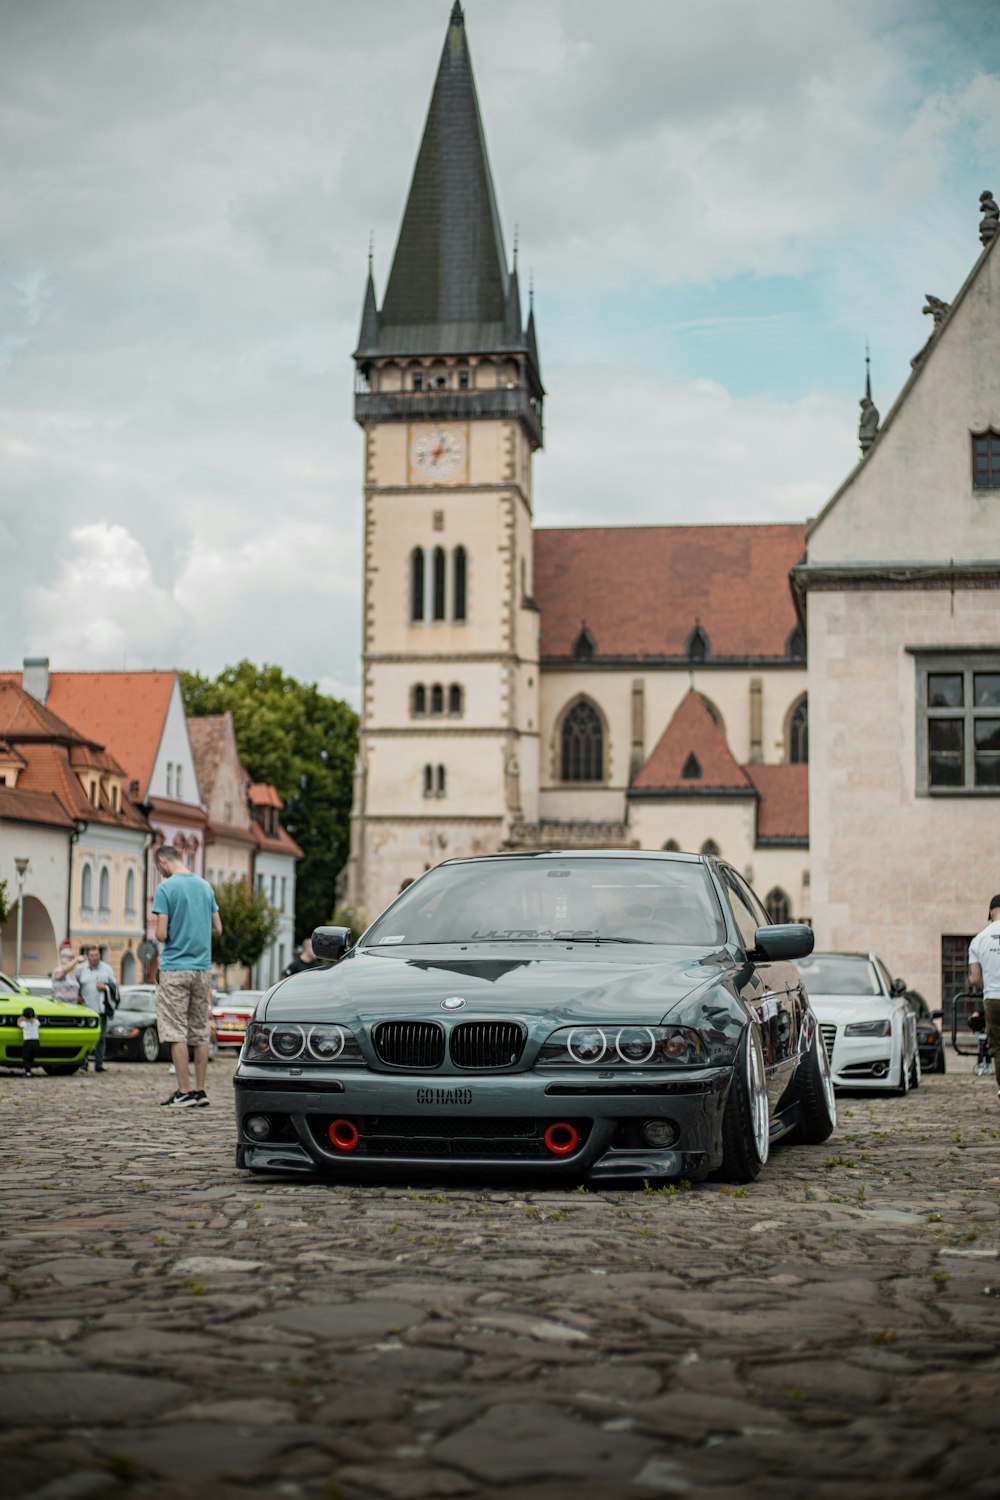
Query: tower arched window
{"x": 461, "y": 568}
{"x": 417, "y": 584}
{"x": 798, "y": 733}
{"x": 672, "y": 847}
{"x": 437, "y": 699}
{"x": 455, "y": 699}
{"x": 439, "y": 584}
{"x": 440, "y": 785}
{"x": 582, "y": 744}
{"x": 778, "y": 905}
{"x": 419, "y": 700}
{"x": 428, "y": 781}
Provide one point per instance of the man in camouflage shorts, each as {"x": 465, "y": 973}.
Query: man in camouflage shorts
{"x": 187, "y": 918}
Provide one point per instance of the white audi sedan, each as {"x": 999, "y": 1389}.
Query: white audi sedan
{"x": 869, "y": 1030}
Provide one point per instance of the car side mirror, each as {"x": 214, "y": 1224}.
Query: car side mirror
{"x": 898, "y": 987}
{"x": 331, "y": 943}
{"x": 784, "y": 940}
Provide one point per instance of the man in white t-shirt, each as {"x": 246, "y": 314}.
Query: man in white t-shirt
{"x": 984, "y": 974}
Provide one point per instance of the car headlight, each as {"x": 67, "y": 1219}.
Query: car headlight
{"x": 869, "y": 1028}
{"x": 305, "y": 1042}
{"x": 124, "y": 1031}
{"x": 633, "y": 1046}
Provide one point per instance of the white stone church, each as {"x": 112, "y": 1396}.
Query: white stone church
{"x": 647, "y": 687}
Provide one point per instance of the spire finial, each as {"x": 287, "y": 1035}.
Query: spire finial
{"x": 868, "y": 425}
{"x": 457, "y": 14}
{"x": 531, "y": 289}
{"x": 517, "y": 242}
{"x": 371, "y": 249}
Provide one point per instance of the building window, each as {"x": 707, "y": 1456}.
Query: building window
{"x": 437, "y": 699}
{"x": 798, "y": 733}
{"x": 104, "y": 893}
{"x": 795, "y": 646}
{"x": 417, "y": 584}
{"x": 419, "y": 701}
{"x": 461, "y": 567}
{"x": 178, "y": 781}
{"x": 710, "y": 849}
{"x": 428, "y": 781}
{"x": 672, "y": 847}
{"x": 274, "y": 890}
{"x": 954, "y": 967}
{"x": 986, "y": 460}
{"x": 170, "y": 778}
{"x": 86, "y": 889}
{"x": 463, "y": 380}
{"x": 418, "y": 380}
{"x": 778, "y": 906}
{"x": 439, "y": 583}
{"x": 283, "y": 882}
{"x": 582, "y": 744}
{"x": 439, "y": 782}
{"x": 697, "y": 648}
{"x": 455, "y": 699}
{"x": 958, "y": 724}
{"x": 692, "y": 768}
{"x": 130, "y": 893}
{"x": 584, "y": 647}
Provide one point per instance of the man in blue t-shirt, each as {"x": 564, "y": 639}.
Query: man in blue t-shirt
{"x": 187, "y": 918}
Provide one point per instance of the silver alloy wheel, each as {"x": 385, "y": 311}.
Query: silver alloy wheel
{"x": 760, "y": 1114}
{"x": 149, "y": 1045}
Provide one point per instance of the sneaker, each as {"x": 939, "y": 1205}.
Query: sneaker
{"x": 201, "y": 1098}
{"x": 178, "y": 1100}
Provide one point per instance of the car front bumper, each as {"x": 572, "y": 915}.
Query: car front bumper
{"x": 62, "y": 1046}
{"x": 459, "y": 1123}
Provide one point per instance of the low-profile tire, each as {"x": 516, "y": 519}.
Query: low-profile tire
{"x": 747, "y": 1117}
{"x": 812, "y": 1090}
{"x": 149, "y": 1045}
{"x": 903, "y": 1086}
{"x": 940, "y": 1066}
{"x": 60, "y": 1070}
{"x": 915, "y": 1071}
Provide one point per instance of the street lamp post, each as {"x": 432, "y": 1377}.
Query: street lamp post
{"x": 21, "y": 866}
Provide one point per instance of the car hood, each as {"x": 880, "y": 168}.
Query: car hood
{"x": 843, "y": 1009}
{"x": 124, "y": 1017}
{"x": 12, "y": 1006}
{"x": 641, "y": 984}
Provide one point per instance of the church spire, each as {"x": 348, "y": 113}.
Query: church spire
{"x": 449, "y": 285}
{"x": 868, "y": 425}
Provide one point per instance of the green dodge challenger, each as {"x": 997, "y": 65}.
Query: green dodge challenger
{"x": 68, "y": 1033}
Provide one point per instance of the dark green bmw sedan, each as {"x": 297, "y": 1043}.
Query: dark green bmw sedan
{"x": 581, "y": 1015}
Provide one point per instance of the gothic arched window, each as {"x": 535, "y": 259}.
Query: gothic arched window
{"x": 582, "y": 744}
{"x": 672, "y": 847}
{"x": 440, "y": 787}
{"x": 130, "y": 892}
{"x": 778, "y": 905}
{"x": 417, "y": 584}
{"x": 104, "y": 891}
{"x": 419, "y": 699}
{"x": 461, "y": 567}
{"x": 454, "y": 699}
{"x": 798, "y": 733}
{"x": 437, "y": 699}
{"x": 428, "y": 781}
{"x": 87, "y": 888}
{"x": 439, "y": 583}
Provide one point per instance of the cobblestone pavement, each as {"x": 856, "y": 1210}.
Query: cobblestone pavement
{"x": 169, "y": 1326}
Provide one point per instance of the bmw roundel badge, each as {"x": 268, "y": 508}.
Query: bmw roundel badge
{"x": 453, "y": 1002}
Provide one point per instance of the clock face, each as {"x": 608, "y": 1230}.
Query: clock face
{"x": 437, "y": 454}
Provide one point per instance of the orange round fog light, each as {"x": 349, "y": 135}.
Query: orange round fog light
{"x": 344, "y": 1135}
{"x": 561, "y": 1139}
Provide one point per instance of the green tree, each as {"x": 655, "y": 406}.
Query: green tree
{"x": 6, "y": 905}
{"x": 304, "y": 743}
{"x": 249, "y": 924}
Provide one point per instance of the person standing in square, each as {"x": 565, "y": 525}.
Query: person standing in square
{"x": 187, "y": 918}
{"x": 984, "y": 976}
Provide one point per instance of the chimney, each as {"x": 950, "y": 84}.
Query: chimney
{"x": 35, "y": 678}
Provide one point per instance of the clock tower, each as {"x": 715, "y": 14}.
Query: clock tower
{"x": 449, "y": 395}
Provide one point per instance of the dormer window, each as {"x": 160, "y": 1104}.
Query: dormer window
{"x": 697, "y": 645}
{"x": 584, "y": 647}
{"x": 986, "y": 460}
{"x": 692, "y": 768}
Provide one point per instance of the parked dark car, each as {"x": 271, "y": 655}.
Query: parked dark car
{"x": 930, "y": 1038}
{"x": 132, "y": 1034}
{"x": 585, "y": 1015}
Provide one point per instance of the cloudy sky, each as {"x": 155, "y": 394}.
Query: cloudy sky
{"x": 719, "y": 202}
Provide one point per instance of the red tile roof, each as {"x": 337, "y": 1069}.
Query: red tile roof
{"x": 17, "y": 806}
{"x": 22, "y": 717}
{"x": 641, "y": 589}
{"x": 123, "y": 711}
{"x": 262, "y": 795}
{"x": 692, "y": 732}
{"x": 9, "y": 756}
{"x": 280, "y": 843}
{"x": 783, "y": 810}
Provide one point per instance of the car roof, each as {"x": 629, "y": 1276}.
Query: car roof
{"x": 536, "y": 854}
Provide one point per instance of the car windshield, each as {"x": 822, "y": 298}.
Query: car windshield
{"x": 555, "y": 899}
{"x": 838, "y": 974}
{"x": 137, "y": 999}
{"x": 7, "y": 987}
